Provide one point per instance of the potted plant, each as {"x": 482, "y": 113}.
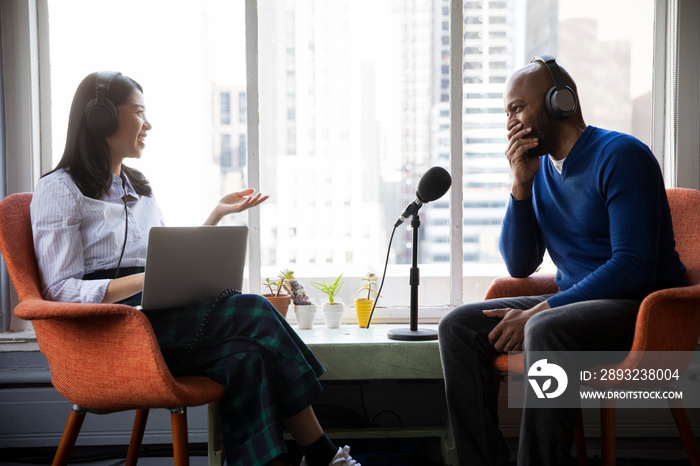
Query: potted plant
{"x": 276, "y": 297}
{"x": 363, "y": 305}
{"x": 304, "y": 309}
{"x": 332, "y": 310}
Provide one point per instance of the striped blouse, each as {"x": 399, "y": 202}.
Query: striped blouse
{"x": 75, "y": 235}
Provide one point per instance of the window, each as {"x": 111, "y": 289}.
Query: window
{"x": 356, "y": 115}
{"x": 585, "y": 40}
{"x": 619, "y": 41}
{"x": 352, "y": 112}
{"x": 356, "y": 126}
{"x": 225, "y": 108}
{"x": 362, "y": 134}
{"x": 192, "y": 69}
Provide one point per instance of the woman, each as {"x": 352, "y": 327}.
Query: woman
{"x": 90, "y": 219}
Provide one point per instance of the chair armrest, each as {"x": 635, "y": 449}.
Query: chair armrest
{"x": 33, "y": 309}
{"x": 536, "y": 284}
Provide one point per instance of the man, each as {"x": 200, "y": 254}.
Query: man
{"x": 596, "y": 201}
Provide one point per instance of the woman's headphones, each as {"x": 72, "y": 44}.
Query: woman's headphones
{"x": 560, "y": 102}
{"x": 100, "y": 113}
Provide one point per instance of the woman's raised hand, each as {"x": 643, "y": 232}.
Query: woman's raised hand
{"x": 233, "y": 203}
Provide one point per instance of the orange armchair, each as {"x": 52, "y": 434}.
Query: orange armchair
{"x": 668, "y": 320}
{"x": 102, "y": 357}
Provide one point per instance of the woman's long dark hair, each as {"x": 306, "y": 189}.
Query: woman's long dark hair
{"x": 86, "y": 156}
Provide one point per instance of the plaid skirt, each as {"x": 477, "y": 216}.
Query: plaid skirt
{"x": 268, "y": 371}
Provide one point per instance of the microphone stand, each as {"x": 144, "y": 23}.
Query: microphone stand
{"x": 413, "y": 333}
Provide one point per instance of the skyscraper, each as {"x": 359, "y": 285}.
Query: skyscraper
{"x": 492, "y": 29}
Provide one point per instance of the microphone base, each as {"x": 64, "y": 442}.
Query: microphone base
{"x": 406, "y": 334}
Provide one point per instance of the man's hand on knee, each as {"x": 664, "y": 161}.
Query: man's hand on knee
{"x": 509, "y": 334}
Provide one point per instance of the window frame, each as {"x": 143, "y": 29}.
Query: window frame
{"x": 26, "y": 96}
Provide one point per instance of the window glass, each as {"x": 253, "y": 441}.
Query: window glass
{"x": 347, "y": 94}
{"x": 606, "y": 45}
{"x": 354, "y": 108}
{"x": 190, "y": 59}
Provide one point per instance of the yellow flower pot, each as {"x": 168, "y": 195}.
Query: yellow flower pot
{"x": 363, "y": 308}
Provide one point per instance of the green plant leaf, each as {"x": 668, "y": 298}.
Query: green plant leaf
{"x": 330, "y": 290}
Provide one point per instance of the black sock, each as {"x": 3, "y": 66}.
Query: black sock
{"x": 321, "y": 452}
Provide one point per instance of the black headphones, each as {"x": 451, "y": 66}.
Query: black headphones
{"x": 101, "y": 115}
{"x": 560, "y": 102}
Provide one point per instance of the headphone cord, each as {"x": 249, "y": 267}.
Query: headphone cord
{"x": 126, "y": 229}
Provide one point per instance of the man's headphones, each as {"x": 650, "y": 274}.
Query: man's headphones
{"x": 100, "y": 113}
{"x": 560, "y": 101}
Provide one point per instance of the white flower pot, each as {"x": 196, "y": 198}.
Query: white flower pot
{"x": 305, "y": 315}
{"x": 333, "y": 314}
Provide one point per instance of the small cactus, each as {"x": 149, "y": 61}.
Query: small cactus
{"x": 299, "y": 296}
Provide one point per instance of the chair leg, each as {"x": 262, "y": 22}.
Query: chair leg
{"x": 215, "y": 440}
{"x": 607, "y": 432}
{"x": 132, "y": 456}
{"x": 70, "y": 435}
{"x": 580, "y": 441}
{"x": 680, "y": 415}
{"x": 181, "y": 454}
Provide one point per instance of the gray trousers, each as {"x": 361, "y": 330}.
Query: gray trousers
{"x": 546, "y": 435}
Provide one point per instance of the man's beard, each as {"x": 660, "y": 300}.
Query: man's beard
{"x": 542, "y": 130}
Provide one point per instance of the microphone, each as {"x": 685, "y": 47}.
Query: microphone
{"x": 432, "y": 186}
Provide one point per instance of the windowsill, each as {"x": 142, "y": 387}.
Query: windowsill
{"x": 26, "y": 340}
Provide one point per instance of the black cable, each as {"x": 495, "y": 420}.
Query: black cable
{"x": 381, "y": 285}
{"x": 366, "y": 412}
{"x": 387, "y": 411}
{"x": 126, "y": 229}
{"x": 363, "y": 402}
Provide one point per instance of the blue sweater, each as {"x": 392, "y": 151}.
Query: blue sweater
{"x": 605, "y": 222}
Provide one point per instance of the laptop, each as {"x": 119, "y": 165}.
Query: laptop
{"x": 190, "y": 265}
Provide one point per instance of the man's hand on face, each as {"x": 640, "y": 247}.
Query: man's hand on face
{"x": 523, "y": 166}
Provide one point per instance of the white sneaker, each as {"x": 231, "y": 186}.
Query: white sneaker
{"x": 342, "y": 458}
